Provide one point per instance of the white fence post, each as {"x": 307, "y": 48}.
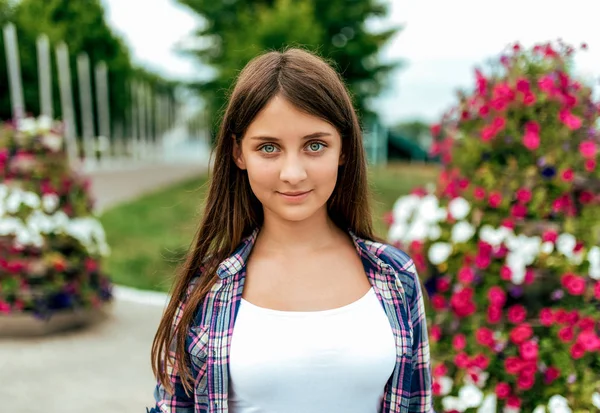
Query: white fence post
{"x": 14, "y": 71}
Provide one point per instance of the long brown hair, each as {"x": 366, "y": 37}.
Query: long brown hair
{"x": 232, "y": 211}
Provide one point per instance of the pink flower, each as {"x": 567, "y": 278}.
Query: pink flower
{"x": 502, "y": 390}
{"x": 496, "y": 296}
{"x": 574, "y": 284}
{"x": 523, "y": 195}
{"x": 525, "y": 381}
{"x": 549, "y": 236}
{"x": 499, "y": 123}
{"x": 577, "y": 351}
{"x": 546, "y": 84}
{"x": 435, "y": 130}
{"x": 505, "y": 273}
{"x": 481, "y": 361}
{"x": 462, "y": 304}
{"x": 546, "y": 317}
{"x": 529, "y": 350}
{"x": 568, "y": 175}
{"x": 551, "y": 374}
{"x": 588, "y": 340}
{"x": 597, "y": 291}
{"x": 479, "y": 193}
{"x": 517, "y": 314}
{"x": 488, "y": 133}
{"x": 521, "y": 333}
{"x": 442, "y": 284}
{"x": 459, "y": 342}
{"x": 495, "y": 199}
{"x": 587, "y": 149}
{"x": 435, "y": 333}
{"x": 590, "y": 165}
{"x": 4, "y": 307}
{"x": 440, "y": 370}
{"x": 466, "y": 275}
{"x": 481, "y": 82}
{"x": 529, "y": 99}
{"x": 565, "y": 334}
{"x": 518, "y": 211}
{"x": 571, "y": 121}
{"x": 438, "y": 302}
{"x": 523, "y": 85}
{"x": 494, "y": 314}
{"x": 531, "y": 141}
{"x": 461, "y": 360}
{"x": 513, "y": 365}
{"x": 485, "y": 336}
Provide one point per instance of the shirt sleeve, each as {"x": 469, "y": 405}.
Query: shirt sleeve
{"x": 179, "y": 401}
{"x": 420, "y": 391}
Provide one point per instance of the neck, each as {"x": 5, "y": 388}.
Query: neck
{"x": 312, "y": 234}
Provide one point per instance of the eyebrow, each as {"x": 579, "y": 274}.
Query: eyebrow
{"x": 311, "y": 136}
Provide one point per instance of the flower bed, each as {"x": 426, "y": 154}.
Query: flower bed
{"x": 508, "y": 241}
{"x": 51, "y": 244}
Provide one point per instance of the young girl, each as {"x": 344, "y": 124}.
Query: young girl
{"x": 287, "y": 303}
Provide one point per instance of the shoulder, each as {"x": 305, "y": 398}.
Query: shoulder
{"x": 401, "y": 263}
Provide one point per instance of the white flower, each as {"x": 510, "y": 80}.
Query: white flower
{"x": 565, "y": 243}
{"x": 13, "y": 202}
{"x": 593, "y": 257}
{"x": 52, "y": 141}
{"x": 31, "y": 199}
{"x": 470, "y": 395}
{"x": 596, "y": 400}
{"x": 44, "y": 123}
{"x": 517, "y": 265}
{"x": 397, "y": 232}
{"x": 489, "y": 404}
{"x": 429, "y": 208}
{"x": 453, "y": 403}
{"x": 558, "y": 404}
{"x": 547, "y": 247}
{"x": 462, "y": 231}
{"x": 446, "y": 384}
{"x": 3, "y": 191}
{"x": 417, "y": 231}
{"x": 50, "y": 202}
{"x": 439, "y": 252}
{"x": 493, "y": 236}
{"x": 27, "y": 125}
{"x": 459, "y": 208}
{"x": 434, "y": 232}
{"x": 404, "y": 207}
{"x": 10, "y": 225}
{"x": 540, "y": 409}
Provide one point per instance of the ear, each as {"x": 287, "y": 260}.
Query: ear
{"x": 238, "y": 157}
{"x": 342, "y": 159}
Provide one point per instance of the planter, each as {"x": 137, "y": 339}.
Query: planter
{"x": 27, "y": 325}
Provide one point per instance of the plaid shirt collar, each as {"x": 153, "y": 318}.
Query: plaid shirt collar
{"x": 236, "y": 261}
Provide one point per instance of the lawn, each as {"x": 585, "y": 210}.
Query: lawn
{"x": 149, "y": 236}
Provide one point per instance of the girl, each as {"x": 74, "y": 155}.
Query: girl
{"x": 287, "y": 302}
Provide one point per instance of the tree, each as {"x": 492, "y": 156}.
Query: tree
{"x": 82, "y": 26}
{"x": 235, "y": 31}
{"x": 509, "y": 241}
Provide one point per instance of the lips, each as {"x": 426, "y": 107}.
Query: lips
{"x": 297, "y": 193}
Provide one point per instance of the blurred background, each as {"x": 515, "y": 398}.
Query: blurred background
{"x": 138, "y": 87}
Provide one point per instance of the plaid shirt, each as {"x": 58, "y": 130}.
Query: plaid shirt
{"x": 395, "y": 281}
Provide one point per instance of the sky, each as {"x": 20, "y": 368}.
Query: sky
{"x": 440, "y": 44}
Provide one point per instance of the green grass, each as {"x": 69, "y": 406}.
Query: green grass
{"x": 149, "y": 236}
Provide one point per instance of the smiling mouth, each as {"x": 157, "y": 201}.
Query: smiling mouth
{"x": 297, "y": 193}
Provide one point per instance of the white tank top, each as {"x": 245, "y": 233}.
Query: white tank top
{"x": 331, "y": 361}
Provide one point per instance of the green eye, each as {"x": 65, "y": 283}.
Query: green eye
{"x": 315, "y": 146}
{"x": 268, "y": 149}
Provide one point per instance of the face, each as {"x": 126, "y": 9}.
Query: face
{"x": 292, "y": 161}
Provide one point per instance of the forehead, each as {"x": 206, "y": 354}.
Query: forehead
{"x": 281, "y": 119}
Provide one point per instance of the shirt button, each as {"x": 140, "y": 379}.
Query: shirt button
{"x": 214, "y": 352}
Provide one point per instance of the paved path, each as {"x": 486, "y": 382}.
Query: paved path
{"x": 102, "y": 368}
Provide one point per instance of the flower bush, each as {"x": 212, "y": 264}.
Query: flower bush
{"x": 508, "y": 240}
{"x": 50, "y": 242}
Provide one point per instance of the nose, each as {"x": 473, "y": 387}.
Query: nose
{"x": 292, "y": 170}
